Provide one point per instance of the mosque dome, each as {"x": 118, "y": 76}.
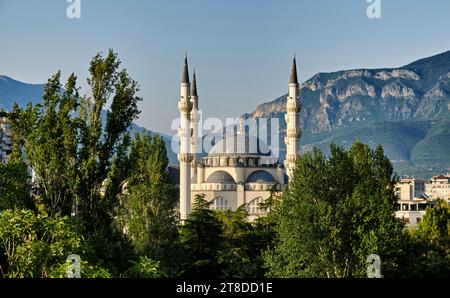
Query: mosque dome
{"x": 220, "y": 177}
{"x": 260, "y": 177}
{"x": 240, "y": 145}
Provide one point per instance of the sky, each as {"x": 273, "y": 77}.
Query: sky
{"x": 241, "y": 49}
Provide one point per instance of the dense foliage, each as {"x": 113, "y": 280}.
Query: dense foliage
{"x": 14, "y": 183}
{"x": 36, "y": 245}
{"x": 337, "y": 212}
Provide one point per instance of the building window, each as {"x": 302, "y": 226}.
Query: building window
{"x": 253, "y": 206}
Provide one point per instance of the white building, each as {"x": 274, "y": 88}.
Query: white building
{"x": 438, "y": 187}
{"x": 240, "y": 169}
{"x": 415, "y": 195}
{"x": 412, "y": 211}
{"x": 409, "y": 188}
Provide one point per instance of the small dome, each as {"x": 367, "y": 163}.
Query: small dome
{"x": 260, "y": 177}
{"x": 220, "y": 177}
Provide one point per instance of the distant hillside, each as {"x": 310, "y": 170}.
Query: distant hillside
{"x": 12, "y": 91}
{"x": 406, "y": 109}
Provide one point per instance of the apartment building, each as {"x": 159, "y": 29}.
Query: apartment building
{"x": 5, "y": 137}
{"x": 415, "y": 195}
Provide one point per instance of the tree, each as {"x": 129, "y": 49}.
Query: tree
{"x": 15, "y": 186}
{"x": 35, "y": 244}
{"x": 66, "y": 143}
{"x": 144, "y": 268}
{"x": 244, "y": 241}
{"x": 236, "y": 256}
{"x": 49, "y": 135}
{"x": 336, "y": 212}
{"x": 71, "y": 150}
{"x": 149, "y": 201}
{"x": 87, "y": 270}
{"x": 435, "y": 225}
{"x": 243, "y": 244}
{"x": 99, "y": 145}
{"x": 431, "y": 242}
{"x": 201, "y": 239}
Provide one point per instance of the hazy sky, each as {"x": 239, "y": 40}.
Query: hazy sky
{"x": 241, "y": 48}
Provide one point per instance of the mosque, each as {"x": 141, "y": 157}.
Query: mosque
{"x": 240, "y": 169}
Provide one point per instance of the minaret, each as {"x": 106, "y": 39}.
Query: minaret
{"x": 194, "y": 123}
{"x": 184, "y": 132}
{"x": 292, "y": 117}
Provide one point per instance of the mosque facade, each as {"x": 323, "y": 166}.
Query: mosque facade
{"x": 240, "y": 169}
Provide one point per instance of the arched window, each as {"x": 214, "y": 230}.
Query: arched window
{"x": 220, "y": 203}
{"x": 253, "y": 207}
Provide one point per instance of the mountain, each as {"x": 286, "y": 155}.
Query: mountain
{"x": 12, "y": 91}
{"x": 406, "y": 109}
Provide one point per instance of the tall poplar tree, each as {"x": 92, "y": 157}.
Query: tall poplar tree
{"x": 70, "y": 147}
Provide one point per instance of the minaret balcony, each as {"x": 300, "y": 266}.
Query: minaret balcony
{"x": 293, "y": 107}
{"x": 290, "y": 159}
{"x": 185, "y": 106}
{"x": 293, "y": 133}
{"x": 185, "y": 158}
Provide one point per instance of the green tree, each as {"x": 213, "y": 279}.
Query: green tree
{"x": 430, "y": 242}
{"x": 149, "y": 201}
{"x": 435, "y": 225}
{"x": 336, "y": 212}
{"x": 36, "y": 245}
{"x": 48, "y": 133}
{"x": 144, "y": 268}
{"x": 201, "y": 239}
{"x": 66, "y": 143}
{"x": 243, "y": 244}
{"x": 87, "y": 270}
{"x": 72, "y": 151}
{"x": 236, "y": 255}
{"x": 244, "y": 241}
{"x": 99, "y": 145}
{"x": 15, "y": 185}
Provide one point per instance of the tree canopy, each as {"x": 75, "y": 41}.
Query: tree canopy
{"x": 336, "y": 212}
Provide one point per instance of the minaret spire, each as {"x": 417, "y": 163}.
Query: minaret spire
{"x": 185, "y": 77}
{"x": 294, "y": 79}
{"x": 194, "y": 86}
{"x": 195, "y": 118}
